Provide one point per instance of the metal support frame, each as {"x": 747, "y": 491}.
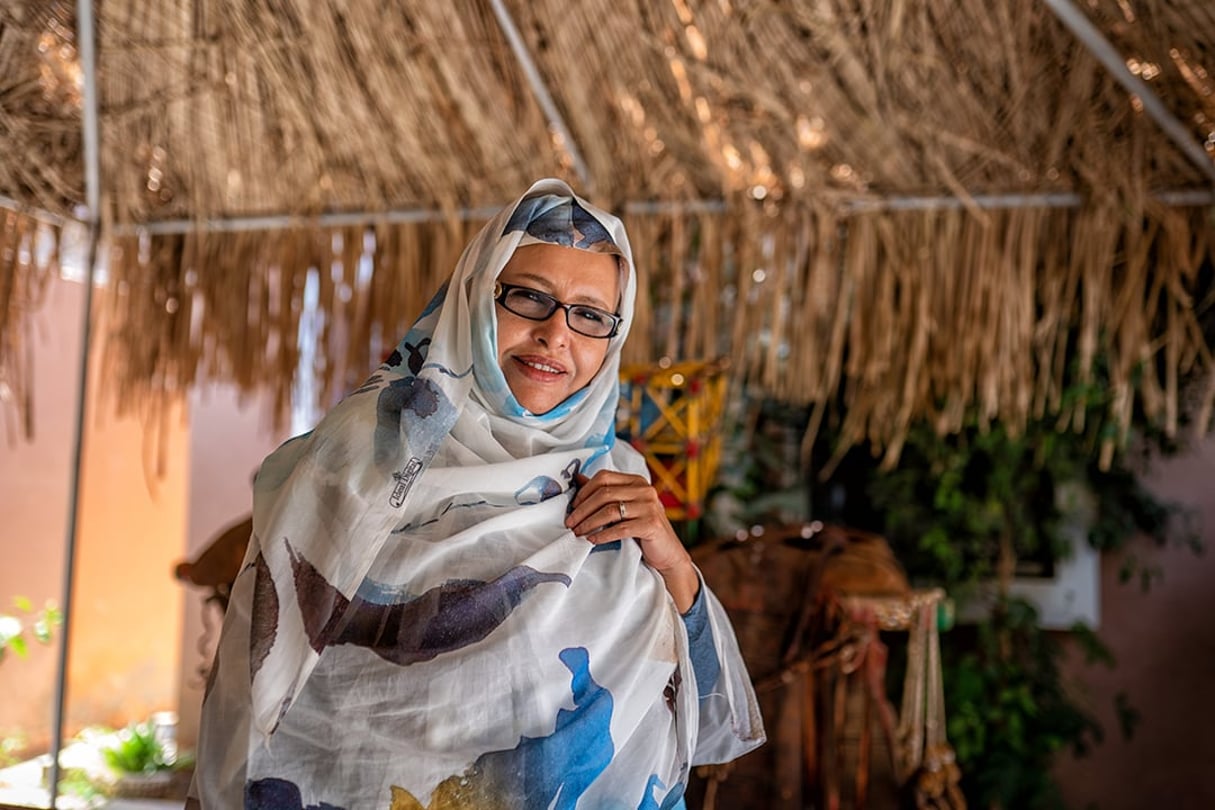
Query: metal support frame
{"x": 86, "y": 45}
{"x": 290, "y": 221}
{"x": 1190, "y": 197}
{"x": 1115, "y": 63}
{"x": 507, "y": 23}
{"x": 1179, "y": 197}
{"x": 34, "y": 212}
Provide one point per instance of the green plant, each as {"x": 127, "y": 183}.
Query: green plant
{"x": 976, "y": 506}
{"x": 13, "y": 626}
{"x": 971, "y": 506}
{"x": 77, "y": 782}
{"x": 136, "y": 749}
{"x": 1008, "y": 710}
{"x": 11, "y": 748}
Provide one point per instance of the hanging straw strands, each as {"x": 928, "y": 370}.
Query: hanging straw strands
{"x": 233, "y": 307}
{"x": 900, "y": 315}
{"x": 936, "y": 315}
{"x": 25, "y": 271}
{"x": 768, "y": 157}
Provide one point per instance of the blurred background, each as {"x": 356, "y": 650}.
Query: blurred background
{"x": 934, "y": 273}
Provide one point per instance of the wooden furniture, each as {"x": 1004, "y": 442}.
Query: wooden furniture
{"x": 809, "y": 605}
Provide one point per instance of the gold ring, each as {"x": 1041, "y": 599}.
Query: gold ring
{"x": 620, "y": 506}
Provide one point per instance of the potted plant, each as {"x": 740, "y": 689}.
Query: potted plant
{"x": 142, "y": 761}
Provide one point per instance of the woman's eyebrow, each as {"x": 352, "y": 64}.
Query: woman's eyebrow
{"x": 536, "y": 280}
{"x": 543, "y": 284}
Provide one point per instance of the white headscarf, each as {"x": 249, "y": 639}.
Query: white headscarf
{"x": 414, "y": 617}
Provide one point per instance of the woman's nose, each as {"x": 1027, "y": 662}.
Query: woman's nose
{"x": 553, "y": 330}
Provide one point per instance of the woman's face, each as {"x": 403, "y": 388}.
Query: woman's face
{"x": 546, "y": 361}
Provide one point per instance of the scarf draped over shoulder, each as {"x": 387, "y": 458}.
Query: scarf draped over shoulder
{"x": 414, "y": 626}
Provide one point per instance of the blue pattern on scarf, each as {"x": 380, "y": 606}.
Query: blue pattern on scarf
{"x": 559, "y": 221}
{"x": 554, "y": 771}
{"x": 278, "y": 794}
{"x": 672, "y": 801}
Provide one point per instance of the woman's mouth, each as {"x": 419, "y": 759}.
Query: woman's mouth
{"x": 537, "y": 366}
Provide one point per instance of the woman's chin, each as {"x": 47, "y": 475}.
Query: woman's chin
{"x": 537, "y": 397}
{"x": 538, "y": 405}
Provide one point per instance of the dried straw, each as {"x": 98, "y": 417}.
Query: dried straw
{"x": 24, "y": 275}
{"x": 798, "y": 117}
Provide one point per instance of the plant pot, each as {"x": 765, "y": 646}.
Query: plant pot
{"x": 144, "y": 785}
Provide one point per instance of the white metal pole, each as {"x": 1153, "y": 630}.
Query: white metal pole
{"x": 1179, "y": 197}
{"x": 1115, "y": 63}
{"x": 547, "y": 104}
{"x": 86, "y": 50}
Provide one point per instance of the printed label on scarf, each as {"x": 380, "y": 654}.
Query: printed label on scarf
{"x": 404, "y": 479}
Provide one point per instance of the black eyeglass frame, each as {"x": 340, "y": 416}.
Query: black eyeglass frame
{"x": 502, "y": 290}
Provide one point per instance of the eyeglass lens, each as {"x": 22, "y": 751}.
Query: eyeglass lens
{"x": 538, "y": 306}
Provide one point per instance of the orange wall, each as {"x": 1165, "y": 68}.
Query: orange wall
{"x": 125, "y": 645}
{"x": 136, "y": 630}
{"x": 125, "y": 624}
{"x": 33, "y": 504}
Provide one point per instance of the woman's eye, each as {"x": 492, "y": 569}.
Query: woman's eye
{"x": 533, "y": 297}
{"x": 590, "y": 315}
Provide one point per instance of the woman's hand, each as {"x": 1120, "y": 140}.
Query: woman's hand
{"x": 616, "y": 506}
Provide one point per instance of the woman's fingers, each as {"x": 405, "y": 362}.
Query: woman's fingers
{"x": 599, "y": 514}
{"x": 610, "y": 498}
{"x": 618, "y": 506}
{"x": 613, "y": 506}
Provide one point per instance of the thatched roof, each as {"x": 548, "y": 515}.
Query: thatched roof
{"x": 921, "y": 207}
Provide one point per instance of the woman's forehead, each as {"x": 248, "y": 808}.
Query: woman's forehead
{"x": 585, "y": 276}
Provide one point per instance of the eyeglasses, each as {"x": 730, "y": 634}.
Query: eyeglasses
{"x": 537, "y": 306}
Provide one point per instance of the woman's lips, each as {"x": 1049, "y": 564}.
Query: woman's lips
{"x": 539, "y": 368}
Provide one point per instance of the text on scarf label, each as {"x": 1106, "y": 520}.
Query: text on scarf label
{"x": 404, "y": 479}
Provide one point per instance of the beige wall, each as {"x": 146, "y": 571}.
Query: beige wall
{"x": 229, "y": 437}
{"x": 1164, "y": 641}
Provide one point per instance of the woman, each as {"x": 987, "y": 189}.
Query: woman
{"x": 460, "y": 591}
